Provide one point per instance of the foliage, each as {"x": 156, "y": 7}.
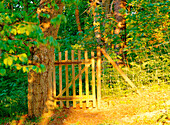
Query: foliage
{"x": 13, "y": 96}
{"x": 20, "y": 34}
{"x": 70, "y": 38}
{"x": 147, "y": 47}
{"x": 147, "y": 23}
{"x": 147, "y": 69}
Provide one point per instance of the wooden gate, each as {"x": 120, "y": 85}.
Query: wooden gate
{"x": 77, "y": 94}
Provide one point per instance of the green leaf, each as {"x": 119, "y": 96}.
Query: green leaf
{"x": 56, "y": 7}
{"x": 55, "y": 21}
{"x": 34, "y": 68}
{"x": 21, "y": 30}
{"x": 10, "y": 61}
{"x": 25, "y": 69}
{"x": 53, "y": 3}
{"x": 48, "y": 5}
{"x": 2, "y": 72}
{"x": 5, "y": 61}
{"x": 42, "y": 67}
{"x": 51, "y": 40}
{"x": 45, "y": 15}
{"x": 14, "y": 31}
{"x": 56, "y": 45}
{"x": 15, "y": 58}
{"x": 11, "y": 51}
{"x": 63, "y": 17}
{"x": 23, "y": 57}
{"x": 18, "y": 66}
{"x": 39, "y": 70}
{"x": 1, "y": 7}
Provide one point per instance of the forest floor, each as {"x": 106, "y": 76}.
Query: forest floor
{"x": 152, "y": 107}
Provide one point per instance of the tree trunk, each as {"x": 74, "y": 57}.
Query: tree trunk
{"x": 118, "y": 4}
{"x": 96, "y": 23}
{"x": 77, "y": 18}
{"x": 106, "y": 24}
{"x": 106, "y": 5}
{"x": 40, "y": 84}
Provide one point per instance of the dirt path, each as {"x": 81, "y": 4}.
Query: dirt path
{"x": 150, "y": 108}
{"x": 130, "y": 110}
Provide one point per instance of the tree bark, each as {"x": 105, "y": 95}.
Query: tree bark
{"x": 118, "y": 4}
{"x": 77, "y": 18}
{"x": 106, "y": 5}
{"x": 40, "y": 84}
{"x": 96, "y": 23}
{"x": 121, "y": 25}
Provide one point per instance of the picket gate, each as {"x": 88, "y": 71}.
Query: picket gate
{"x": 90, "y": 94}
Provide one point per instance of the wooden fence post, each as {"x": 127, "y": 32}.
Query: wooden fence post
{"x": 98, "y": 76}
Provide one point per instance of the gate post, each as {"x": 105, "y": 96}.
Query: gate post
{"x": 98, "y": 76}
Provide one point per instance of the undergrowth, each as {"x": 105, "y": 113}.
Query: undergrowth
{"x": 13, "y": 95}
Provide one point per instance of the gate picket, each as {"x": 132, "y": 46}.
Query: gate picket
{"x": 86, "y": 79}
{"x": 93, "y": 79}
{"x": 73, "y": 78}
{"x": 80, "y": 78}
{"x": 66, "y": 72}
{"x": 98, "y": 76}
{"x": 60, "y": 77}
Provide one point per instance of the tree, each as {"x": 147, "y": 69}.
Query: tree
{"x": 40, "y": 84}
{"x": 27, "y": 43}
{"x": 119, "y": 6}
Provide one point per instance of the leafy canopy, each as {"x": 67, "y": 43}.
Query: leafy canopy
{"x": 20, "y": 34}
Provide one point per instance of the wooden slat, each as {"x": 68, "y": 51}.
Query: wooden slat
{"x": 63, "y": 62}
{"x": 73, "y": 78}
{"x": 76, "y": 98}
{"x": 86, "y": 79}
{"x": 119, "y": 70}
{"x": 60, "y": 79}
{"x": 69, "y": 98}
{"x": 93, "y": 79}
{"x": 98, "y": 76}
{"x": 80, "y": 78}
{"x": 70, "y": 62}
{"x": 66, "y": 74}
